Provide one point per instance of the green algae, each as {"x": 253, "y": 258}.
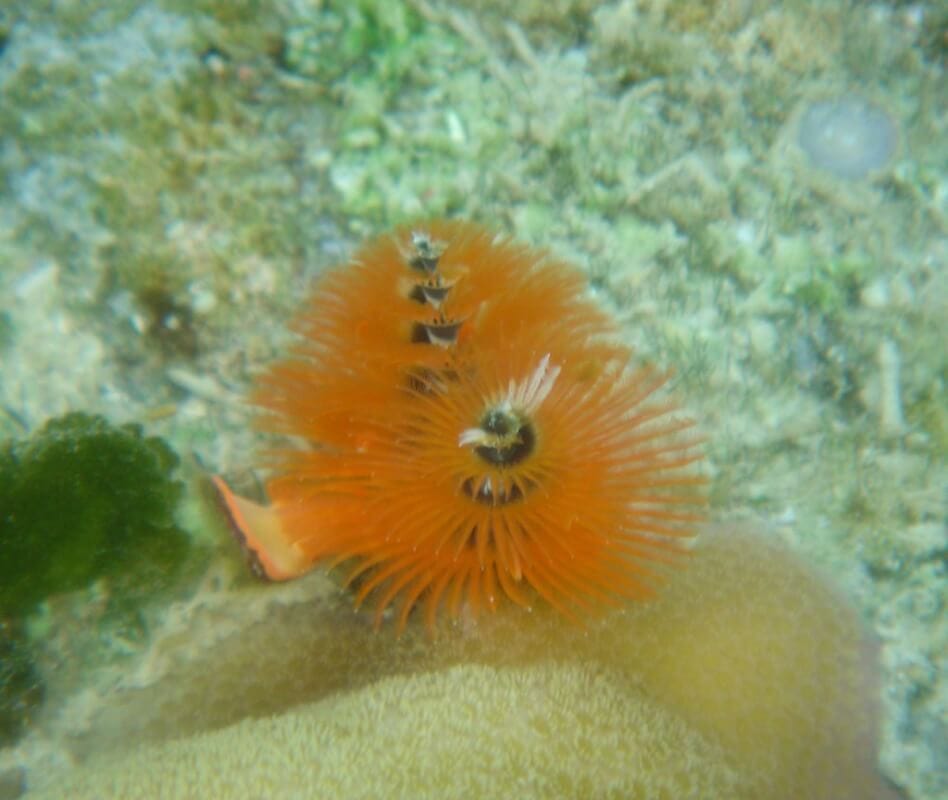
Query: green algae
{"x": 84, "y": 500}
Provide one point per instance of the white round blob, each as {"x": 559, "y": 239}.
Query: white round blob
{"x": 849, "y": 136}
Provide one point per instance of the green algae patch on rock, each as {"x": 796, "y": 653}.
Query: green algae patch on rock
{"x": 81, "y": 500}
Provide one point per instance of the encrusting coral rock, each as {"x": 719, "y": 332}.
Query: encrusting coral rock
{"x": 747, "y": 678}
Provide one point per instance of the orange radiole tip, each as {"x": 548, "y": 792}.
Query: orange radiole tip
{"x": 257, "y": 529}
{"x": 468, "y": 428}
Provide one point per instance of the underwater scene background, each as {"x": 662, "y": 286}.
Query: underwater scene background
{"x": 756, "y": 191}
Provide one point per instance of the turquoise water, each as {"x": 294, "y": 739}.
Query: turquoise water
{"x": 756, "y": 191}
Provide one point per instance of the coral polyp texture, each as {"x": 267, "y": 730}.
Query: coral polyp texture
{"x": 474, "y": 430}
{"x": 748, "y": 678}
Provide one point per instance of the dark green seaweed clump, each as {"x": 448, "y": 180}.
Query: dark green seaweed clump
{"x": 82, "y": 500}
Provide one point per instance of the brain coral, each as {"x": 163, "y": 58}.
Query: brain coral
{"x": 749, "y": 677}
{"x": 471, "y": 731}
